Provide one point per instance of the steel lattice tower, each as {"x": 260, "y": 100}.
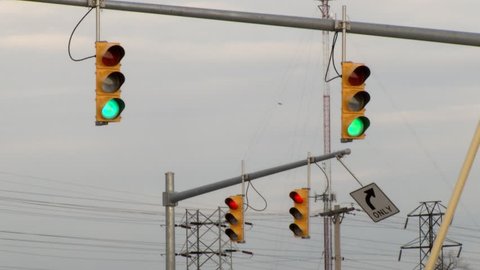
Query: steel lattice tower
{"x": 429, "y": 220}
{"x": 206, "y": 246}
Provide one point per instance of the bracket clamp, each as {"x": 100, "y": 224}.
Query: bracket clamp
{"x": 93, "y": 3}
{"x": 339, "y": 25}
{"x": 167, "y": 196}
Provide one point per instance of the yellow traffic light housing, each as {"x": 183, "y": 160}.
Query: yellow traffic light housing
{"x": 354, "y": 100}
{"x": 109, "y": 80}
{"x": 235, "y": 218}
{"x": 300, "y": 212}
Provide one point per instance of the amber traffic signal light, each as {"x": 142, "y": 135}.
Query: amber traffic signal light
{"x": 300, "y": 213}
{"x": 235, "y": 218}
{"x": 354, "y": 100}
{"x": 109, "y": 80}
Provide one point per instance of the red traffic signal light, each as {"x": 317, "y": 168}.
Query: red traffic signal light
{"x": 300, "y": 212}
{"x": 235, "y": 218}
{"x": 354, "y": 100}
{"x": 296, "y": 197}
{"x": 109, "y": 80}
{"x": 231, "y": 203}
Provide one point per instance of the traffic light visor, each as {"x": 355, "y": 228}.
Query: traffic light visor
{"x": 358, "y": 101}
{"x": 296, "y": 229}
{"x": 231, "y": 219}
{"x": 359, "y": 75}
{"x": 113, "y": 55}
{"x": 231, "y": 234}
{"x": 113, "y": 82}
{"x": 296, "y": 213}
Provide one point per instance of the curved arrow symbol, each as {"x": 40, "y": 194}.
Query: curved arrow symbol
{"x": 370, "y": 193}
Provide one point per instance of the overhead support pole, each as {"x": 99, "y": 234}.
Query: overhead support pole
{"x": 344, "y": 33}
{"x": 97, "y": 22}
{"x": 170, "y": 224}
{"x": 170, "y": 198}
{"x": 372, "y": 29}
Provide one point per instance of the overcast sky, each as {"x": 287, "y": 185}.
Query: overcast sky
{"x": 203, "y": 95}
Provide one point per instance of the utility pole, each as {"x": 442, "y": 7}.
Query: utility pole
{"x": 327, "y": 221}
{"x": 337, "y": 215}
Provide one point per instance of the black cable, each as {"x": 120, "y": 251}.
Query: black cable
{"x": 246, "y": 198}
{"x": 71, "y": 36}
{"x": 326, "y": 176}
{"x": 331, "y": 59}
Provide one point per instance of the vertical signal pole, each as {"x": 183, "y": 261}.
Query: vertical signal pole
{"x": 169, "y": 223}
{"x": 344, "y": 33}
{"x": 327, "y": 220}
{"x": 97, "y": 21}
{"x": 243, "y": 198}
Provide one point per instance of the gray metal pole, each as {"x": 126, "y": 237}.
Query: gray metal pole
{"x": 383, "y": 30}
{"x": 338, "y": 255}
{"x": 97, "y": 23}
{"x": 220, "y": 246}
{"x": 174, "y": 197}
{"x": 170, "y": 225}
{"x": 344, "y": 33}
{"x": 327, "y": 144}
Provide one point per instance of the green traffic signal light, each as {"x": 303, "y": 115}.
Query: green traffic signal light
{"x": 358, "y": 126}
{"x": 112, "y": 108}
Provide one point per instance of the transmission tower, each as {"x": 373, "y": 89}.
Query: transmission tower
{"x": 429, "y": 220}
{"x": 206, "y": 246}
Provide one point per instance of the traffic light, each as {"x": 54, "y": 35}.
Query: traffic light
{"x": 300, "y": 212}
{"x": 354, "y": 100}
{"x": 235, "y": 219}
{"x": 109, "y": 79}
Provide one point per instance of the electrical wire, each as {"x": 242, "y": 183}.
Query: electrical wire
{"x": 331, "y": 59}
{"x": 76, "y": 183}
{"x": 50, "y": 195}
{"x": 246, "y": 198}
{"x": 71, "y": 36}
{"x": 326, "y": 176}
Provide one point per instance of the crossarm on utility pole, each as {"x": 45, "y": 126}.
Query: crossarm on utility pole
{"x": 337, "y": 214}
{"x": 172, "y": 198}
